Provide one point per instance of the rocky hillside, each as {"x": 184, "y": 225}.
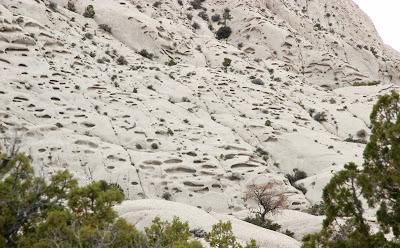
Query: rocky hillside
{"x": 137, "y": 93}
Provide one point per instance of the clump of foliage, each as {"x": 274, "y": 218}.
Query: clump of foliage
{"x": 227, "y": 62}
{"x": 216, "y": 18}
{"x": 88, "y": 36}
{"x": 122, "y": 60}
{"x": 288, "y": 233}
{"x": 171, "y": 62}
{"x": 223, "y": 32}
{"x": 221, "y": 236}
{"x": 226, "y": 15}
{"x": 257, "y": 81}
{"x": 71, "y": 6}
{"x": 262, "y": 153}
{"x": 146, "y": 54}
{"x": 362, "y": 134}
{"x": 320, "y": 117}
{"x": 105, "y": 28}
{"x": 372, "y": 83}
{"x": 60, "y": 213}
{"x": 164, "y": 234}
{"x": 317, "y": 209}
{"x": 197, "y": 4}
{"x": 166, "y": 196}
{"x": 375, "y": 185}
{"x": 203, "y": 15}
{"x": 297, "y": 175}
{"x": 264, "y": 223}
{"x": 156, "y": 4}
{"x": 53, "y": 6}
{"x": 89, "y": 12}
{"x": 195, "y": 25}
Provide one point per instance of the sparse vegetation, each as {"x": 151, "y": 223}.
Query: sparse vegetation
{"x": 156, "y": 4}
{"x": 317, "y": 209}
{"x": 146, "y": 54}
{"x": 320, "y": 117}
{"x": 103, "y": 60}
{"x": 203, "y": 15}
{"x": 88, "y": 36}
{"x": 264, "y": 223}
{"x": 166, "y": 196}
{"x": 372, "y": 83}
{"x": 216, "y": 18}
{"x": 195, "y": 25}
{"x": 288, "y": 233}
{"x": 362, "y": 134}
{"x": 53, "y": 6}
{"x": 122, "y": 60}
{"x": 105, "y": 27}
{"x": 257, "y": 81}
{"x": 297, "y": 175}
{"x": 71, "y": 6}
{"x": 262, "y": 153}
{"x": 227, "y": 62}
{"x": 226, "y": 15}
{"x": 197, "y": 4}
{"x": 171, "y": 62}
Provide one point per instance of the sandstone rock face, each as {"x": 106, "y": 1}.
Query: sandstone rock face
{"x": 149, "y": 104}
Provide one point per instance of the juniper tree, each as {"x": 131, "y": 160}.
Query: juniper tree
{"x": 58, "y": 213}
{"x": 375, "y": 185}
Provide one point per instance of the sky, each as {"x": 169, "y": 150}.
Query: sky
{"x": 386, "y": 16}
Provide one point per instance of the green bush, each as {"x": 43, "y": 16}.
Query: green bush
{"x": 372, "y": 83}
{"x": 223, "y": 33}
{"x": 171, "y": 62}
{"x": 264, "y": 223}
{"x": 317, "y": 209}
{"x": 164, "y": 234}
{"x": 221, "y": 236}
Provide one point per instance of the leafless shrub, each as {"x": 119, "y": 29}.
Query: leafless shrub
{"x": 266, "y": 197}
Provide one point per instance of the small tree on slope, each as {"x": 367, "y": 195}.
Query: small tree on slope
{"x": 266, "y": 197}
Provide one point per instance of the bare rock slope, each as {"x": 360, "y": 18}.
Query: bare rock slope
{"x": 138, "y": 95}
